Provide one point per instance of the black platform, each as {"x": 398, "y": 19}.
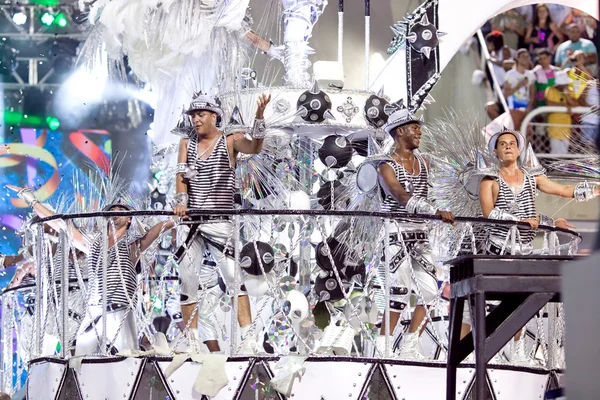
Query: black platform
{"x": 522, "y": 284}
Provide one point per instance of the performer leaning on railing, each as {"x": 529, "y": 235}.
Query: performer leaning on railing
{"x": 125, "y": 242}
{"x": 404, "y": 180}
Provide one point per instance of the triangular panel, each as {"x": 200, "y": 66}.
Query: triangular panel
{"x": 258, "y": 384}
{"x": 151, "y": 384}
{"x": 109, "y": 379}
{"x": 509, "y": 384}
{"x": 419, "y": 382}
{"x": 70, "y": 388}
{"x": 489, "y": 392}
{"x": 44, "y": 380}
{"x": 377, "y": 386}
{"x": 181, "y": 382}
{"x": 343, "y": 380}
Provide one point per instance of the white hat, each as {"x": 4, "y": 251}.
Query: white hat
{"x": 516, "y": 134}
{"x": 562, "y": 78}
{"x": 204, "y": 102}
{"x": 399, "y": 118}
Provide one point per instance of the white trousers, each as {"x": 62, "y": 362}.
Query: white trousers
{"x": 121, "y": 332}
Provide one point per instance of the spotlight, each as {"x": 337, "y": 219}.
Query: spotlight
{"x": 61, "y": 20}
{"x": 53, "y": 123}
{"x": 47, "y": 18}
{"x": 19, "y": 17}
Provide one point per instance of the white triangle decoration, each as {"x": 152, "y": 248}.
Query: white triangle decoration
{"x": 44, "y": 379}
{"x": 181, "y": 382}
{"x": 108, "y": 380}
{"x": 330, "y": 380}
{"x": 412, "y": 382}
{"x": 509, "y": 384}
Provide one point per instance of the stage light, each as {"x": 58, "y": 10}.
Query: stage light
{"x": 47, "y": 18}
{"x": 19, "y": 17}
{"x": 61, "y": 20}
{"x": 53, "y": 123}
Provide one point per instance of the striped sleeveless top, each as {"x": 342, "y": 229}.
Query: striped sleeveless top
{"x": 526, "y": 200}
{"x": 214, "y": 185}
{"x": 420, "y": 186}
{"x": 121, "y": 276}
{"x": 57, "y": 265}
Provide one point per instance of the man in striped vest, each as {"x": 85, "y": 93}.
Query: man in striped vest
{"x": 404, "y": 181}
{"x": 206, "y": 181}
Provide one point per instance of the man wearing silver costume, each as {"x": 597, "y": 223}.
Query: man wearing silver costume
{"x": 25, "y": 274}
{"x": 404, "y": 180}
{"x": 206, "y": 180}
{"x": 125, "y": 243}
{"x": 508, "y": 193}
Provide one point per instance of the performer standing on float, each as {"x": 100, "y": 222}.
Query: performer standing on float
{"x": 205, "y": 181}
{"x": 509, "y": 194}
{"x": 404, "y": 180}
{"x": 126, "y": 241}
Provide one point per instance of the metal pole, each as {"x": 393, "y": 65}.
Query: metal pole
{"x": 386, "y": 284}
{"x": 39, "y": 270}
{"x": 236, "y": 284}
{"x": 341, "y": 35}
{"x": 103, "y": 275}
{"x": 64, "y": 292}
{"x": 367, "y": 40}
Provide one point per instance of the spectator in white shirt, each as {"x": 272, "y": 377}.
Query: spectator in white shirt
{"x": 576, "y": 42}
{"x": 518, "y": 83}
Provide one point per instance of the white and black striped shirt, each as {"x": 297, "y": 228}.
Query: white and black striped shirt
{"x": 214, "y": 185}
{"x": 420, "y": 186}
{"x": 121, "y": 279}
{"x": 526, "y": 201}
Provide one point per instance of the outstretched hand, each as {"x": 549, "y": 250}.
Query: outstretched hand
{"x": 562, "y": 223}
{"x": 262, "y": 102}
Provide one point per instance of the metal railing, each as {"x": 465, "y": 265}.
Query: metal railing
{"x": 308, "y": 277}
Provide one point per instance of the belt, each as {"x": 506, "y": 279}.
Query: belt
{"x": 209, "y": 218}
{"x": 410, "y": 236}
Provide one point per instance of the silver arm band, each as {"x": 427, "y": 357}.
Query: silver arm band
{"x": 259, "y": 129}
{"x": 546, "y": 220}
{"x": 28, "y": 196}
{"x": 181, "y": 168}
{"x": 2, "y": 258}
{"x": 180, "y": 199}
{"x": 419, "y": 205}
{"x": 584, "y": 191}
{"x": 499, "y": 214}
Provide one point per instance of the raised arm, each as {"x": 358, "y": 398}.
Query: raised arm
{"x": 241, "y": 144}
{"x": 26, "y": 194}
{"x": 155, "y": 232}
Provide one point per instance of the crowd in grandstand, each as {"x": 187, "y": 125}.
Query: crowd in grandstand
{"x": 544, "y": 55}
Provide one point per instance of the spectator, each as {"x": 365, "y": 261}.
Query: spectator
{"x": 543, "y": 32}
{"x": 560, "y": 95}
{"x": 586, "y": 23}
{"x": 544, "y": 75}
{"x": 591, "y": 120}
{"x": 512, "y": 25}
{"x": 579, "y": 74}
{"x": 559, "y": 14}
{"x": 518, "y": 86}
{"x": 575, "y": 42}
{"x": 501, "y": 56}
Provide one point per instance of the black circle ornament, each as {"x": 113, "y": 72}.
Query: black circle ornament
{"x": 314, "y": 105}
{"x": 328, "y": 289}
{"x": 335, "y": 250}
{"x": 423, "y": 36}
{"x": 249, "y": 257}
{"x": 336, "y": 151}
{"x": 375, "y": 111}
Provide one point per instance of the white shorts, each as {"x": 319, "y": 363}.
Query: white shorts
{"x": 410, "y": 272}
{"x": 196, "y": 272}
{"x": 121, "y": 339}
